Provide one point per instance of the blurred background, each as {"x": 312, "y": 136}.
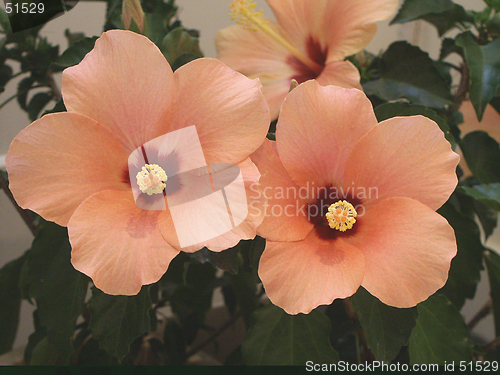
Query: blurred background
{"x": 208, "y": 16}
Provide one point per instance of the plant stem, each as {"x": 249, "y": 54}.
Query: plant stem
{"x": 481, "y": 314}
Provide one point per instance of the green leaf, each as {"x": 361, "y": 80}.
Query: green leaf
{"x": 59, "y": 290}
{"x": 192, "y": 300}
{"x": 58, "y": 107}
{"x": 443, "y": 14}
{"x": 277, "y": 338}
{"x": 482, "y": 154}
{"x": 492, "y": 260}
{"x": 44, "y": 354}
{"x": 448, "y": 47}
{"x": 484, "y": 70}
{"x": 488, "y": 194}
{"x": 75, "y": 54}
{"x": 118, "y": 320}
{"x": 10, "y": 302}
{"x": 37, "y": 103}
{"x": 5, "y": 75}
{"x": 466, "y": 266}
{"x": 183, "y": 59}
{"x": 226, "y": 260}
{"x": 158, "y": 16}
{"x": 23, "y": 88}
{"x": 387, "y": 328}
{"x": 495, "y": 4}
{"x": 4, "y": 22}
{"x": 388, "y": 110}
{"x": 408, "y": 72}
{"x": 440, "y": 334}
{"x": 178, "y": 42}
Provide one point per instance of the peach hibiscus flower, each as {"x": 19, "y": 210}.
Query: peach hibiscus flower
{"x": 77, "y": 168}
{"x": 352, "y": 202}
{"x": 310, "y": 41}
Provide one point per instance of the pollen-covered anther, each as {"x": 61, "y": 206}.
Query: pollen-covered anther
{"x": 243, "y": 11}
{"x": 341, "y": 216}
{"x": 151, "y": 179}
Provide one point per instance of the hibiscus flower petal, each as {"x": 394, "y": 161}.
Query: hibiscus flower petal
{"x": 299, "y": 276}
{"x": 228, "y": 109}
{"x": 257, "y": 55}
{"x": 339, "y": 27}
{"x": 406, "y": 157}
{"x": 340, "y": 73}
{"x": 317, "y": 128}
{"x": 60, "y": 160}
{"x": 408, "y": 249}
{"x": 117, "y": 244}
{"x": 125, "y": 84}
{"x": 286, "y": 217}
{"x": 217, "y": 220}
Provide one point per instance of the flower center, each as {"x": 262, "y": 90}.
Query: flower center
{"x": 244, "y": 13}
{"x": 151, "y": 179}
{"x": 341, "y": 216}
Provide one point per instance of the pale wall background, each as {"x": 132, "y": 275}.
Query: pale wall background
{"x": 208, "y": 16}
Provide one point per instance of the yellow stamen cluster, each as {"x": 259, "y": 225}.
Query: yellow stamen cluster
{"x": 151, "y": 179}
{"x": 243, "y": 11}
{"x": 341, "y": 216}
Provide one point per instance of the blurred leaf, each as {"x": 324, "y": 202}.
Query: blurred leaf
{"x": 10, "y": 302}
{"x": 466, "y": 266}
{"x": 226, "y": 260}
{"x": 33, "y": 340}
{"x": 492, "y": 260}
{"x": 448, "y": 47}
{"x": 118, "y": 320}
{"x": 443, "y": 14}
{"x": 5, "y": 75}
{"x": 59, "y": 290}
{"x": 245, "y": 289}
{"x": 4, "y": 22}
{"x": 344, "y": 335}
{"x": 488, "y": 194}
{"x": 482, "y": 154}
{"x": 387, "y": 328}
{"x": 408, "y": 72}
{"x": 23, "y": 88}
{"x": 191, "y": 301}
{"x": 280, "y": 339}
{"x": 495, "y": 103}
{"x": 44, "y": 354}
{"x": 256, "y": 250}
{"x": 388, "y": 110}
{"x": 440, "y": 334}
{"x": 37, "y": 103}
{"x": 175, "y": 345}
{"x": 26, "y": 20}
{"x": 179, "y": 41}
{"x": 183, "y": 60}
{"x": 484, "y": 70}
{"x": 158, "y": 15}
{"x": 487, "y": 217}
{"x": 73, "y": 37}
{"x": 75, "y": 54}
{"x": 58, "y": 107}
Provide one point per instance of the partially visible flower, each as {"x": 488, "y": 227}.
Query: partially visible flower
{"x": 73, "y": 168}
{"x": 352, "y": 202}
{"x": 309, "y": 41}
{"x": 132, "y": 10}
